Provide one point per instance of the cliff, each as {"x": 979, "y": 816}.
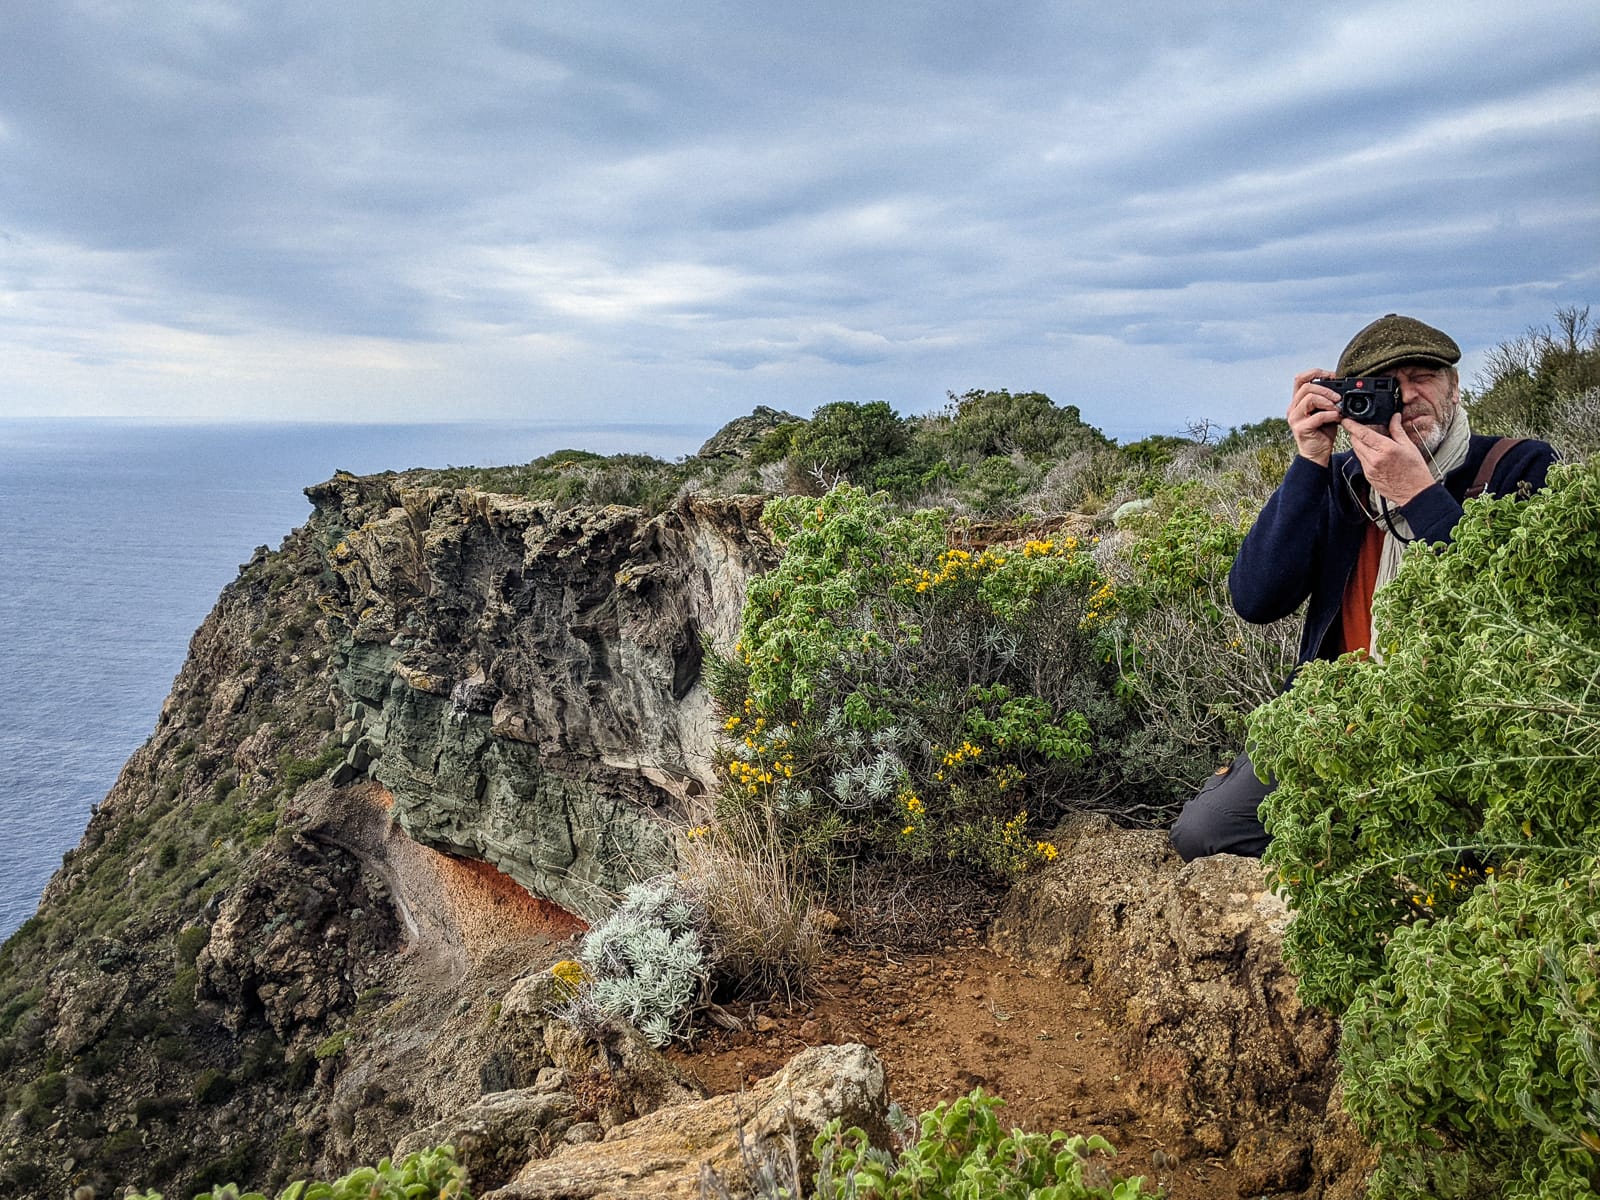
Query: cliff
{"x": 408, "y": 752}
{"x": 411, "y": 753}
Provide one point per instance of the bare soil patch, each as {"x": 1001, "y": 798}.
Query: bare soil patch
{"x": 948, "y": 1019}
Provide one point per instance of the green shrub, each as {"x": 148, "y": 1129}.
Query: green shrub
{"x": 864, "y": 444}
{"x": 982, "y": 424}
{"x": 426, "y": 1175}
{"x": 189, "y": 942}
{"x": 332, "y": 1045}
{"x": 1192, "y": 667}
{"x": 963, "y": 1154}
{"x": 1527, "y": 381}
{"x": 296, "y": 771}
{"x": 212, "y": 1086}
{"x": 1436, "y": 830}
{"x": 893, "y": 693}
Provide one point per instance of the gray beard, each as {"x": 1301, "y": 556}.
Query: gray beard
{"x": 1435, "y": 438}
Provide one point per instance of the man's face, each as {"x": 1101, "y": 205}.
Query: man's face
{"x": 1431, "y": 398}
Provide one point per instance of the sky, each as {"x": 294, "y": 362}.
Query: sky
{"x": 641, "y": 213}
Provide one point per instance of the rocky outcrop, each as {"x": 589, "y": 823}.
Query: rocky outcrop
{"x": 663, "y": 1156}
{"x": 1187, "y": 960}
{"x": 740, "y": 436}
{"x": 524, "y": 679}
{"x": 513, "y": 684}
{"x": 304, "y": 933}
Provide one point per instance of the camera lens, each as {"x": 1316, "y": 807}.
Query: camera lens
{"x": 1357, "y": 404}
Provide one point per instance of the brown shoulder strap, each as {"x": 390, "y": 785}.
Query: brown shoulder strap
{"x": 1491, "y": 460}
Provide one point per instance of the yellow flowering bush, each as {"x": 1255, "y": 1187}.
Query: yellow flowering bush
{"x": 893, "y": 691}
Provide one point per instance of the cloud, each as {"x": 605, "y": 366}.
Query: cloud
{"x": 405, "y": 209}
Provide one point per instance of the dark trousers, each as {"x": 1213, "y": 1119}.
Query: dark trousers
{"x": 1221, "y": 819}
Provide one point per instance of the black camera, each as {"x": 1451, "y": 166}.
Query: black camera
{"x": 1370, "y": 399}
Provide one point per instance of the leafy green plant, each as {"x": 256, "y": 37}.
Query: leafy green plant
{"x": 1435, "y": 828}
{"x": 963, "y": 1154}
{"x": 892, "y": 692}
{"x": 1193, "y": 668}
{"x": 426, "y": 1175}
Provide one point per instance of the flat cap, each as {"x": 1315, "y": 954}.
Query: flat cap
{"x": 1392, "y": 340}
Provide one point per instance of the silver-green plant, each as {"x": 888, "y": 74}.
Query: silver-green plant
{"x": 646, "y": 963}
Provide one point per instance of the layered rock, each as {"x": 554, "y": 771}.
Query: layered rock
{"x": 667, "y": 1154}
{"x": 1187, "y": 960}
{"x": 524, "y": 679}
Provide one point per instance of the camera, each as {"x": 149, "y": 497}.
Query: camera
{"x": 1370, "y": 399}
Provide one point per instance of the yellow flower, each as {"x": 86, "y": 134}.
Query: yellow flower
{"x": 570, "y": 974}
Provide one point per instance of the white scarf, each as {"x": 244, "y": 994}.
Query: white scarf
{"x": 1451, "y": 454}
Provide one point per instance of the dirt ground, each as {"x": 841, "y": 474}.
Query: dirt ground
{"x": 956, "y": 1017}
{"x": 908, "y": 974}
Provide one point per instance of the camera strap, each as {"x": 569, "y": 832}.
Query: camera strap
{"x": 1491, "y": 460}
{"x": 1480, "y": 484}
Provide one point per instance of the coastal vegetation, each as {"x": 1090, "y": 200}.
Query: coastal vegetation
{"x": 431, "y": 1174}
{"x": 977, "y": 623}
{"x": 1435, "y": 828}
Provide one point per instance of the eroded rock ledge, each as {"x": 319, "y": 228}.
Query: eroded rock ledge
{"x": 1187, "y": 960}
{"x": 525, "y": 679}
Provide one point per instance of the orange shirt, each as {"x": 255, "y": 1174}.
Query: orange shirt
{"x": 1355, "y": 612}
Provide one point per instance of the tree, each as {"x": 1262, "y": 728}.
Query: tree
{"x": 849, "y": 441}
{"x": 1528, "y": 381}
{"x": 984, "y": 424}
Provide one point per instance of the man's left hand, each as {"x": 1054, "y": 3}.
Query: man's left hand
{"x": 1392, "y": 463}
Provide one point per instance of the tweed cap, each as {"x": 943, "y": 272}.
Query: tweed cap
{"x": 1392, "y": 340}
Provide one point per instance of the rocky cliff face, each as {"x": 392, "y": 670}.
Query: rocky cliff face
{"x": 290, "y": 933}
{"x": 409, "y": 752}
{"x": 525, "y": 680}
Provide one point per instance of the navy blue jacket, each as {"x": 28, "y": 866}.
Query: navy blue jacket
{"x": 1306, "y": 540}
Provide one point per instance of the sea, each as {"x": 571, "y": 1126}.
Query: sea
{"x": 116, "y": 538}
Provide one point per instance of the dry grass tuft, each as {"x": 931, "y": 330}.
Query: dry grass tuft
{"x": 765, "y": 924}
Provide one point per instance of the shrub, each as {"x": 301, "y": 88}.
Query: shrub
{"x": 189, "y": 942}
{"x": 332, "y": 1046}
{"x": 964, "y": 1153}
{"x": 893, "y": 693}
{"x": 293, "y": 772}
{"x": 426, "y": 1175}
{"x": 863, "y": 443}
{"x": 1192, "y": 666}
{"x": 645, "y": 963}
{"x": 212, "y": 1086}
{"x": 1526, "y": 380}
{"x": 761, "y": 919}
{"x": 1435, "y": 827}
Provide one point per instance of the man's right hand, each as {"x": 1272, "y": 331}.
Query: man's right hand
{"x": 1314, "y": 417}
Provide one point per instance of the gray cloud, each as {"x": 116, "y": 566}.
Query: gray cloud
{"x": 404, "y": 210}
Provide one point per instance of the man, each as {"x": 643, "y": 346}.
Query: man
{"x": 1335, "y": 529}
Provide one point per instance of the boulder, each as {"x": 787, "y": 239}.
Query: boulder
{"x": 664, "y": 1155}
{"x": 625, "y": 1076}
{"x": 1187, "y": 961}
{"x": 740, "y": 436}
{"x": 496, "y": 1137}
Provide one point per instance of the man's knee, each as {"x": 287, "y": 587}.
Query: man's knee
{"x": 1197, "y": 832}
{"x": 1222, "y": 817}
{"x": 1204, "y": 834}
